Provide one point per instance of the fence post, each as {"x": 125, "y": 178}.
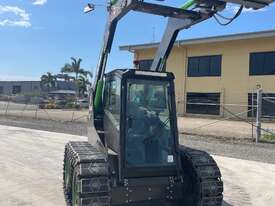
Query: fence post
{"x": 259, "y": 114}
{"x": 7, "y": 108}
{"x": 72, "y": 117}
{"x": 252, "y": 113}
{"x": 24, "y": 108}
{"x": 36, "y": 112}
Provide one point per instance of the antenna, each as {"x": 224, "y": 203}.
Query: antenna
{"x": 154, "y": 34}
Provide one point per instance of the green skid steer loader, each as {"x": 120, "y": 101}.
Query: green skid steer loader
{"x": 132, "y": 156}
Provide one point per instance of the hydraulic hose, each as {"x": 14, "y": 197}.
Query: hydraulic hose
{"x": 188, "y": 4}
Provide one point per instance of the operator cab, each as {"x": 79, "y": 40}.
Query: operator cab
{"x": 140, "y": 122}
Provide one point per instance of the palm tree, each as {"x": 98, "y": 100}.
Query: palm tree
{"x": 48, "y": 80}
{"x": 88, "y": 73}
{"x": 75, "y": 68}
{"x": 65, "y": 77}
{"x": 83, "y": 83}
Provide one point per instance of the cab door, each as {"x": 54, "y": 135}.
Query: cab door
{"x": 112, "y": 101}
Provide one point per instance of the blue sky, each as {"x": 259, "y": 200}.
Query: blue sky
{"x": 37, "y": 36}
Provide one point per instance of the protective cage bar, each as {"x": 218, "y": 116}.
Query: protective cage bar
{"x": 162, "y": 10}
{"x": 120, "y": 8}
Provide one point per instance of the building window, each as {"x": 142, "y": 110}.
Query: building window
{"x": 16, "y": 89}
{"x": 262, "y": 63}
{"x": 145, "y": 64}
{"x": 268, "y": 105}
{"x": 203, "y": 103}
{"x": 1, "y": 90}
{"x": 204, "y": 66}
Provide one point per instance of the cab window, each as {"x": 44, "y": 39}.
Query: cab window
{"x": 112, "y": 99}
{"x": 149, "y": 140}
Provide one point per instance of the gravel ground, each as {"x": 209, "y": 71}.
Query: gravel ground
{"x": 220, "y": 127}
{"x": 242, "y": 149}
{"x": 75, "y": 128}
{"x": 262, "y": 152}
{"x": 31, "y": 171}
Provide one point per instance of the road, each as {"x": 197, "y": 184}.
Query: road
{"x": 31, "y": 171}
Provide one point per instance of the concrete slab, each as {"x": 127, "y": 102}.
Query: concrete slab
{"x": 31, "y": 171}
{"x": 247, "y": 182}
{"x": 31, "y": 166}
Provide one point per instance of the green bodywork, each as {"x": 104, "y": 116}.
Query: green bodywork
{"x": 75, "y": 192}
{"x": 188, "y": 4}
{"x": 98, "y": 97}
{"x": 68, "y": 173}
{"x": 113, "y": 2}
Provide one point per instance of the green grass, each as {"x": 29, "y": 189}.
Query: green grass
{"x": 269, "y": 137}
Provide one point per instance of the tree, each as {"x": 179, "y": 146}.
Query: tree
{"x": 48, "y": 80}
{"x": 75, "y": 68}
{"x": 65, "y": 77}
{"x": 83, "y": 83}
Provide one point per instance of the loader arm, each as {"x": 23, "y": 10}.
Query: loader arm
{"x": 117, "y": 10}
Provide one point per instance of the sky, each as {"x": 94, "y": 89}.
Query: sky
{"x": 39, "y": 36}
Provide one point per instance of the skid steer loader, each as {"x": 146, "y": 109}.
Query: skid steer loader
{"x": 132, "y": 156}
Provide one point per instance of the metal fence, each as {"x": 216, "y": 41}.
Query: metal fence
{"x": 28, "y": 110}
{"x": 256, "y": 117}
{"x": 249, "y": 115}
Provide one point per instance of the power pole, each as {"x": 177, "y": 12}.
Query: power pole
{"x": 259, "y": 114}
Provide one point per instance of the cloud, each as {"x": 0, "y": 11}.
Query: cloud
{"x": 22, "y": 17}
{"x": 234, "y": 9}
{"x": 39, "y": 2}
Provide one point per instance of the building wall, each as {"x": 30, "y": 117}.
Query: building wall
{"x": 31, "y": 87}
{"x": 26, "y": 86}
{"x": 234, "y": 84}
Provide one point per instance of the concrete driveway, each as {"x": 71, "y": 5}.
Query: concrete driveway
{"x": 31, "y": 165}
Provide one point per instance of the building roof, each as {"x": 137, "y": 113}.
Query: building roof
{"x": 212, "y": 39}
{"x": 18, "y": 81}
{"x": 62, "y": 92}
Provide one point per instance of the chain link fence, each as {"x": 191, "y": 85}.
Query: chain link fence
{"x": 46, "y": 112}
{"x": 235, "y": 119}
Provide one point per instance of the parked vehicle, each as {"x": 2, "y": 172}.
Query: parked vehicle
{"x": 42, "y": 104}
{"x": 82, "y": 103}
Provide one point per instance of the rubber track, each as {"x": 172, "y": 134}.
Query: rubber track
{"x": 91, "y": 171}
{"x": 207, "y": 176}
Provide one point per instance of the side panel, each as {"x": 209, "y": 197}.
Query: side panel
{"x": 111, "y": 131}
{"x": 93, "y": 136}
{"x": 153, "y": 191}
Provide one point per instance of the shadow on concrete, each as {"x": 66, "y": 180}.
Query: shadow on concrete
{"x": 226, "y": 204}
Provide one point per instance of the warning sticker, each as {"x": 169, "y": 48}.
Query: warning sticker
{"x": 170, "y": 159}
